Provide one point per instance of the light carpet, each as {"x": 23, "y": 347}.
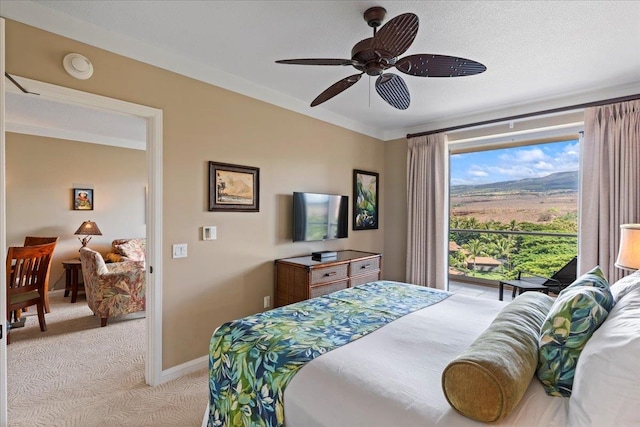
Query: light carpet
{"x": 79, "y": 374}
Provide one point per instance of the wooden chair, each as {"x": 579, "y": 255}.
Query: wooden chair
{"x": 35, "y": 241}
{"x": 27, "y": 270}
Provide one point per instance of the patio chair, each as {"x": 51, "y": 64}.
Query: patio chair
{"x": 531, "y": 282}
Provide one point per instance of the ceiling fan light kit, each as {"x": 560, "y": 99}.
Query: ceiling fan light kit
{"x": 375, "y": 55}
{"x": 77, "y": 66}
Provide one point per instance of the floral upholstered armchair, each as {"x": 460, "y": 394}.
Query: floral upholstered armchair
{"x": 112, "y": 289}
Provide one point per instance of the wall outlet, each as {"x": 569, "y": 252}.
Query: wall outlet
{"x": 180, "y": 250}
{"x": 267, "y": 301}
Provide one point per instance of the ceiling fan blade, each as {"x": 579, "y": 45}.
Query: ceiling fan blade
{"x": 396, "y": 36}
{"x": 428, "y": 65}
{"x": 393, "y": 90}
{"x": 336, "y": 88}
{"x": 317, "y": 61}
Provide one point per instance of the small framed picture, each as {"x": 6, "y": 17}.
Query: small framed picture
{"x": 365, "y": 200}
{"x": 234, "y": 188}
{"x": 82, "y": 199}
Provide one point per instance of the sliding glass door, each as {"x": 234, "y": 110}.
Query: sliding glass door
{"x": 511, "y": 209}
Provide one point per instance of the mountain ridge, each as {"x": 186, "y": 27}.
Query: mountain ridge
{"x": 556, "y": 182}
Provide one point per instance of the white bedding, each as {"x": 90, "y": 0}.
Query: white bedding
{"x": 392, "y": 377}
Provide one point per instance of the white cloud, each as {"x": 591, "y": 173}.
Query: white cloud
{"x": 524, "y": 156}
{"x": 545, "y": 166}
{"x": 530, "y": 155}
{"x": 518, "y": 163}
{"x": 513, "y": 171}
{"x": 572, "y": 149}
{"x": 568, "y": 159}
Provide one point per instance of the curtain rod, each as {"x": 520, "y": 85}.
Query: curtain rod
{"x": 522, "y": 116}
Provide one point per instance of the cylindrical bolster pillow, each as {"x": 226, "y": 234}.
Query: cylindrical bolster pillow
{"x": 488, "y": 380}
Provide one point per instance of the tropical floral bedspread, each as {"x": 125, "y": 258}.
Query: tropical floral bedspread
{"x": 251, "y": 360}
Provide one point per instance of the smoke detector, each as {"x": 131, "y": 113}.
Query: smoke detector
{"x": 77, "y": 66}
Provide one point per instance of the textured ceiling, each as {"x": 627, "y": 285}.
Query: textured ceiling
{"x": 539, "y": 54}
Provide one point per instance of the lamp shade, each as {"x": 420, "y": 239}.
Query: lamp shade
{"x": 629, "y": 253}
{"x": 89, "y": 228}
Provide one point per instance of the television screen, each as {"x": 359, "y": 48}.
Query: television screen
{"x": 319, "y": 216}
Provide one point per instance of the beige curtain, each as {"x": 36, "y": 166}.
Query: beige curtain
{"x": 426, "y": 231}
{"x": 609, "y": 183}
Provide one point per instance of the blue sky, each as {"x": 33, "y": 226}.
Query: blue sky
{"x": 508, "y": 164}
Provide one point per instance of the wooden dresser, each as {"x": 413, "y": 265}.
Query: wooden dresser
{"x": 301, "y": 278}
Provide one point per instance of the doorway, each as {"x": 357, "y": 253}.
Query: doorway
{"x": 153, "y": 118}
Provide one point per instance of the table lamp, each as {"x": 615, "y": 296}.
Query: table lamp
{"x": 629, "y": 253}
{"x": 88, "y": 229}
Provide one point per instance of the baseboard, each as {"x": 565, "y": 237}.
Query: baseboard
{"x": 184, "y": 369}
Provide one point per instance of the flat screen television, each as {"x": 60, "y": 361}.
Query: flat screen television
{"x": 320, "y": 217}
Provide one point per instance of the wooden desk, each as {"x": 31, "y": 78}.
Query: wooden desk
{"x": 72, "y": 268}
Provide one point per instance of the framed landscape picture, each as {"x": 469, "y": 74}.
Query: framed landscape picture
{"x": 234, "y": 188}
{"x": 365, "y": 200}
{"x": 82, "y": 199}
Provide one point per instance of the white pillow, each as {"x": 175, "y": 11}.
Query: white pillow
{"x": 606, "y": 388}
{"x": 626, "y": 284}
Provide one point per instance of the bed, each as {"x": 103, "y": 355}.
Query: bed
{"x": 393, "y": 374}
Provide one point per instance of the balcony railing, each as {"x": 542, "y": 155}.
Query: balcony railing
{"x": 487, "y": 256}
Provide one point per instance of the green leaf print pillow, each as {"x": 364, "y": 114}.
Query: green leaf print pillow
{"x": 577, "y": 312}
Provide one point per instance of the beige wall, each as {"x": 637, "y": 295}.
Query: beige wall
{"x": 395, "y": 209}
{"x": 226, "y": 278}
{"x": 41, "y": 173}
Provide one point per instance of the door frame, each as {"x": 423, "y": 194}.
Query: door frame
{"x": 154, "y": 142}
{"x": 3, "y": 243}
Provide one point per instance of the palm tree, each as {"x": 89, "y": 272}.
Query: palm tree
{"x": 475, "y": 248}
{"x": 503, "y": 248}
{"x": 472, "y": 223}
{"x": 458, "y": 261}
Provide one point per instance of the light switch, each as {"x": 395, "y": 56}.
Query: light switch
{"x": 180, "y": 250}
{"x": 209, "y": 233}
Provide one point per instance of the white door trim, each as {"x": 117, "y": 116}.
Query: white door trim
{"x": 153, "y": 116}
{"x": 3, "y": 244}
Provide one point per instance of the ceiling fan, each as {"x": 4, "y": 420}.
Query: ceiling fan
{"x": 379, "y": 53}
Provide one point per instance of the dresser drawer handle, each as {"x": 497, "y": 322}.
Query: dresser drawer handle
{"x": 333, "y": 273}
{"x": 366, "y": 266}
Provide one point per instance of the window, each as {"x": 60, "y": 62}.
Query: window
{"x": 513, "y": 209}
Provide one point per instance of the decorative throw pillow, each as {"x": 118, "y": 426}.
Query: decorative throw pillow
{"x": 113, "y": 257}
{"x": 488, "y": 380}
{"x": 577, "y": 312}
{"x": 131, "y": 250}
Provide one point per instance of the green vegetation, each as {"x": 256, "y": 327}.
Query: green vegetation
{"x": 541, "y": 255}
